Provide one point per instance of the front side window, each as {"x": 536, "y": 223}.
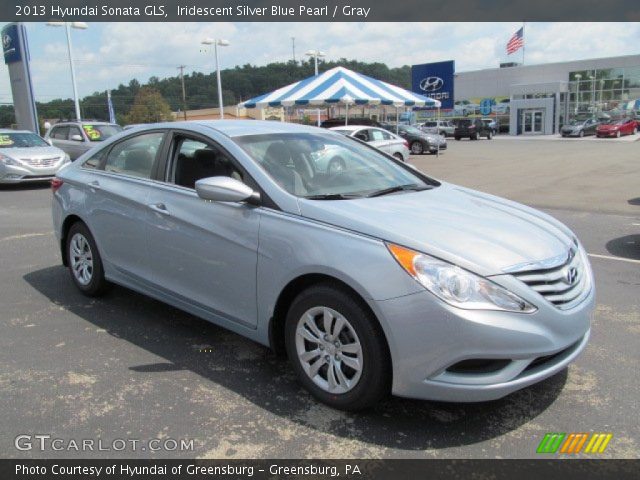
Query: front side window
{"x": 135, "y": 156}
{"x": 194, "y": 160}
{"x": 326, "y": 166}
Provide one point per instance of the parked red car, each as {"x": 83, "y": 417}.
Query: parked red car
{"x": 618, "y": 128}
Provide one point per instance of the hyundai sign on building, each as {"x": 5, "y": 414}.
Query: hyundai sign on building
{"x": 434, "y": 80}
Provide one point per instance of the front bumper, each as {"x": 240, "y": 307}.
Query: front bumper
{"x": 21, "y": 174}
{"x": 433, "y": 148}
{"x": 570, "y": 133}
{"x": 428, "y": 337}
{"x": 611, "y": 133}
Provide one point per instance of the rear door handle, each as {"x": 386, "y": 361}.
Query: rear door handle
{"x": 159, "y": 207}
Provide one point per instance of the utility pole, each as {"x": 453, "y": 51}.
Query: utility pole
{"x": 293, "y": 47}
{"x": 184, "y": 94}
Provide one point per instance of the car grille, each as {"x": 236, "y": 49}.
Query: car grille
{"x": 41, "y": 162}
{"x": 564, "y": 285}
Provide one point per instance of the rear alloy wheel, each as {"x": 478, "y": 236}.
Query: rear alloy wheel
{"x": 337, "y": 349}
{"x": 417, "y": 148}
{"x": 85, "y": 264}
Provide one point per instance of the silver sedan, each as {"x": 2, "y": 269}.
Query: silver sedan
{"x": 374, "y": 278}
{"x": 26, "y": 157}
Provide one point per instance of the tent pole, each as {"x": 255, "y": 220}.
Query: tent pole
{"x": 397, "y": 120}
{"x": 438, "y": 123}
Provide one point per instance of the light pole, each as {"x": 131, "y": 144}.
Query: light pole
{"x": 315, "y": 54}
{"x": 223, "y": 43}
{"x": 578, "y": 77}
{"x": 68, "y": 26}
{"x": 593, "y": 94}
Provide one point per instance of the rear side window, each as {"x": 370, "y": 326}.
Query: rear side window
{"x": 135, "y": 156}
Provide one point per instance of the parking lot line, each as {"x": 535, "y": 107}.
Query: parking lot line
{"x": 608, "y": 257}
{"x": 23, "y": 236}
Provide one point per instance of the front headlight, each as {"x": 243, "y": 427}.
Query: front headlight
{"x": 456, "y": 286}
{"x": 8, "y": 160}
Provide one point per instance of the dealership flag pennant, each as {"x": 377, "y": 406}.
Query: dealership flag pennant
{"x": 516, "y": 42}
{"x": 112, "y": 113}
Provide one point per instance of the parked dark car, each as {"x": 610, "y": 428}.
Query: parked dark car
{"x": 419, "y": 141}
{"x": 580, "y": 128}
{"x": 339, "y": 122}
{"x": 626, "y": 126}
{"x": 472, "y": 128}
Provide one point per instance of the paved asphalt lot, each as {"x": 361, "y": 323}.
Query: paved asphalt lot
{"x": 126, "y": 366}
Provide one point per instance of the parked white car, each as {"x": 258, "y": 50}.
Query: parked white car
{"x": 377, "y": 137}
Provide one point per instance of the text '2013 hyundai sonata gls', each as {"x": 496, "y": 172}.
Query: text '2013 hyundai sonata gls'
{"x": 373, "y": 279}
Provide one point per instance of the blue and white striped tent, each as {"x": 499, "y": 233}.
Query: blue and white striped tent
{"x": 340, "y": 86}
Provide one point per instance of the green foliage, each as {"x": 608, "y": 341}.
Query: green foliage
{"x": 149, "y": 107}
{"x": 239, "y": 83}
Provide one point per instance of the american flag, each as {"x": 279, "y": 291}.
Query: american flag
{"x": 516, "y": 42}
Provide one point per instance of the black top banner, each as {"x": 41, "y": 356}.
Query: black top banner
{"x": 318, "y": 10}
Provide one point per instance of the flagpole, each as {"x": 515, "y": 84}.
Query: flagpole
{"x": 523, "y": 42}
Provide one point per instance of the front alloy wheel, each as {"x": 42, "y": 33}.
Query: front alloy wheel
{"x": 337, "y": 348}
{"x": 417, "y": 148}
{"x": 329, "y": 350}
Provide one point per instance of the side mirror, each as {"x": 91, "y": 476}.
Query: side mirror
{"x": 76, "y": 138}
{"x": 225, "y": 189}
{"x": 49, "y": 141}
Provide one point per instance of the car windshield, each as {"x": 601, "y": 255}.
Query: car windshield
{"x": 98, "y": 133}
{"x": 343, "y": 131}
{"x": 328, "y": 167}
{"x": 576, "y": 122}
{"x": 412, "y": 130}
{"x": 21, "y": 140}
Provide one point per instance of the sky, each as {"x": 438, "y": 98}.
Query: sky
{"x": 108, "y": 54}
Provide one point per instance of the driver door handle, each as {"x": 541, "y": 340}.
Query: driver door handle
{"x": 95, "y": 185}
{"x": 159, "y": 207}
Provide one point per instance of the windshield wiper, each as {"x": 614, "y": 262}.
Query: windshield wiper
{"x": 333, "y": 196}
{"x": 398, "y": 188}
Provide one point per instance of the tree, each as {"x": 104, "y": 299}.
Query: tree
{"x": 149, "y": 107}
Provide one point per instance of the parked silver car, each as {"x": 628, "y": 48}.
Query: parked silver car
{"x": 378, "y": 137}
{"x": 374, "y": 279}
{"x": 439, "y": 127}
{"x": 76, "y": 138}
{"x": 26, "y": 157}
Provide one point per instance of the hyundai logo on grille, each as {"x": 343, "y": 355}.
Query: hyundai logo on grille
{"x": 431, "y": 84}
{"x": 572, "y": 276}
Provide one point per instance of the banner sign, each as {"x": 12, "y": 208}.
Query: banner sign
{"x": 434, "y": 80}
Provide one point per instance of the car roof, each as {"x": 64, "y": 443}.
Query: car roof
{"x": 355, "y": 127}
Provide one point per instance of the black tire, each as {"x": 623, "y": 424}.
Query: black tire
{"x": 457, "y": 138}
{"x": 375, "y": 379}
{"x": 489, "y": 135}
{"x": 399, "y": 156}
{"x": 417, "y": 148}
{"x": 97, "y": 285}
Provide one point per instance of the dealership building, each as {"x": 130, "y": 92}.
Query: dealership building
{"x": 536, "y": 99}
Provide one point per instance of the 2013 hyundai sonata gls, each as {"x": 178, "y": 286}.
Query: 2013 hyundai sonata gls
{"x": 373, "y": 279}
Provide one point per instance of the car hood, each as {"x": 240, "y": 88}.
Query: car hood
{"x": 480, "y": 232}
{"x": 29, "y": 153}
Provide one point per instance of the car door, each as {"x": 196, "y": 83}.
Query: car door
{"x": 378, "y": 139}
{"x": 76, "y": 142}
{"x": 116, "y": 203}
{"x": 58, "y": 137}
{"x": 204, "y": 253}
